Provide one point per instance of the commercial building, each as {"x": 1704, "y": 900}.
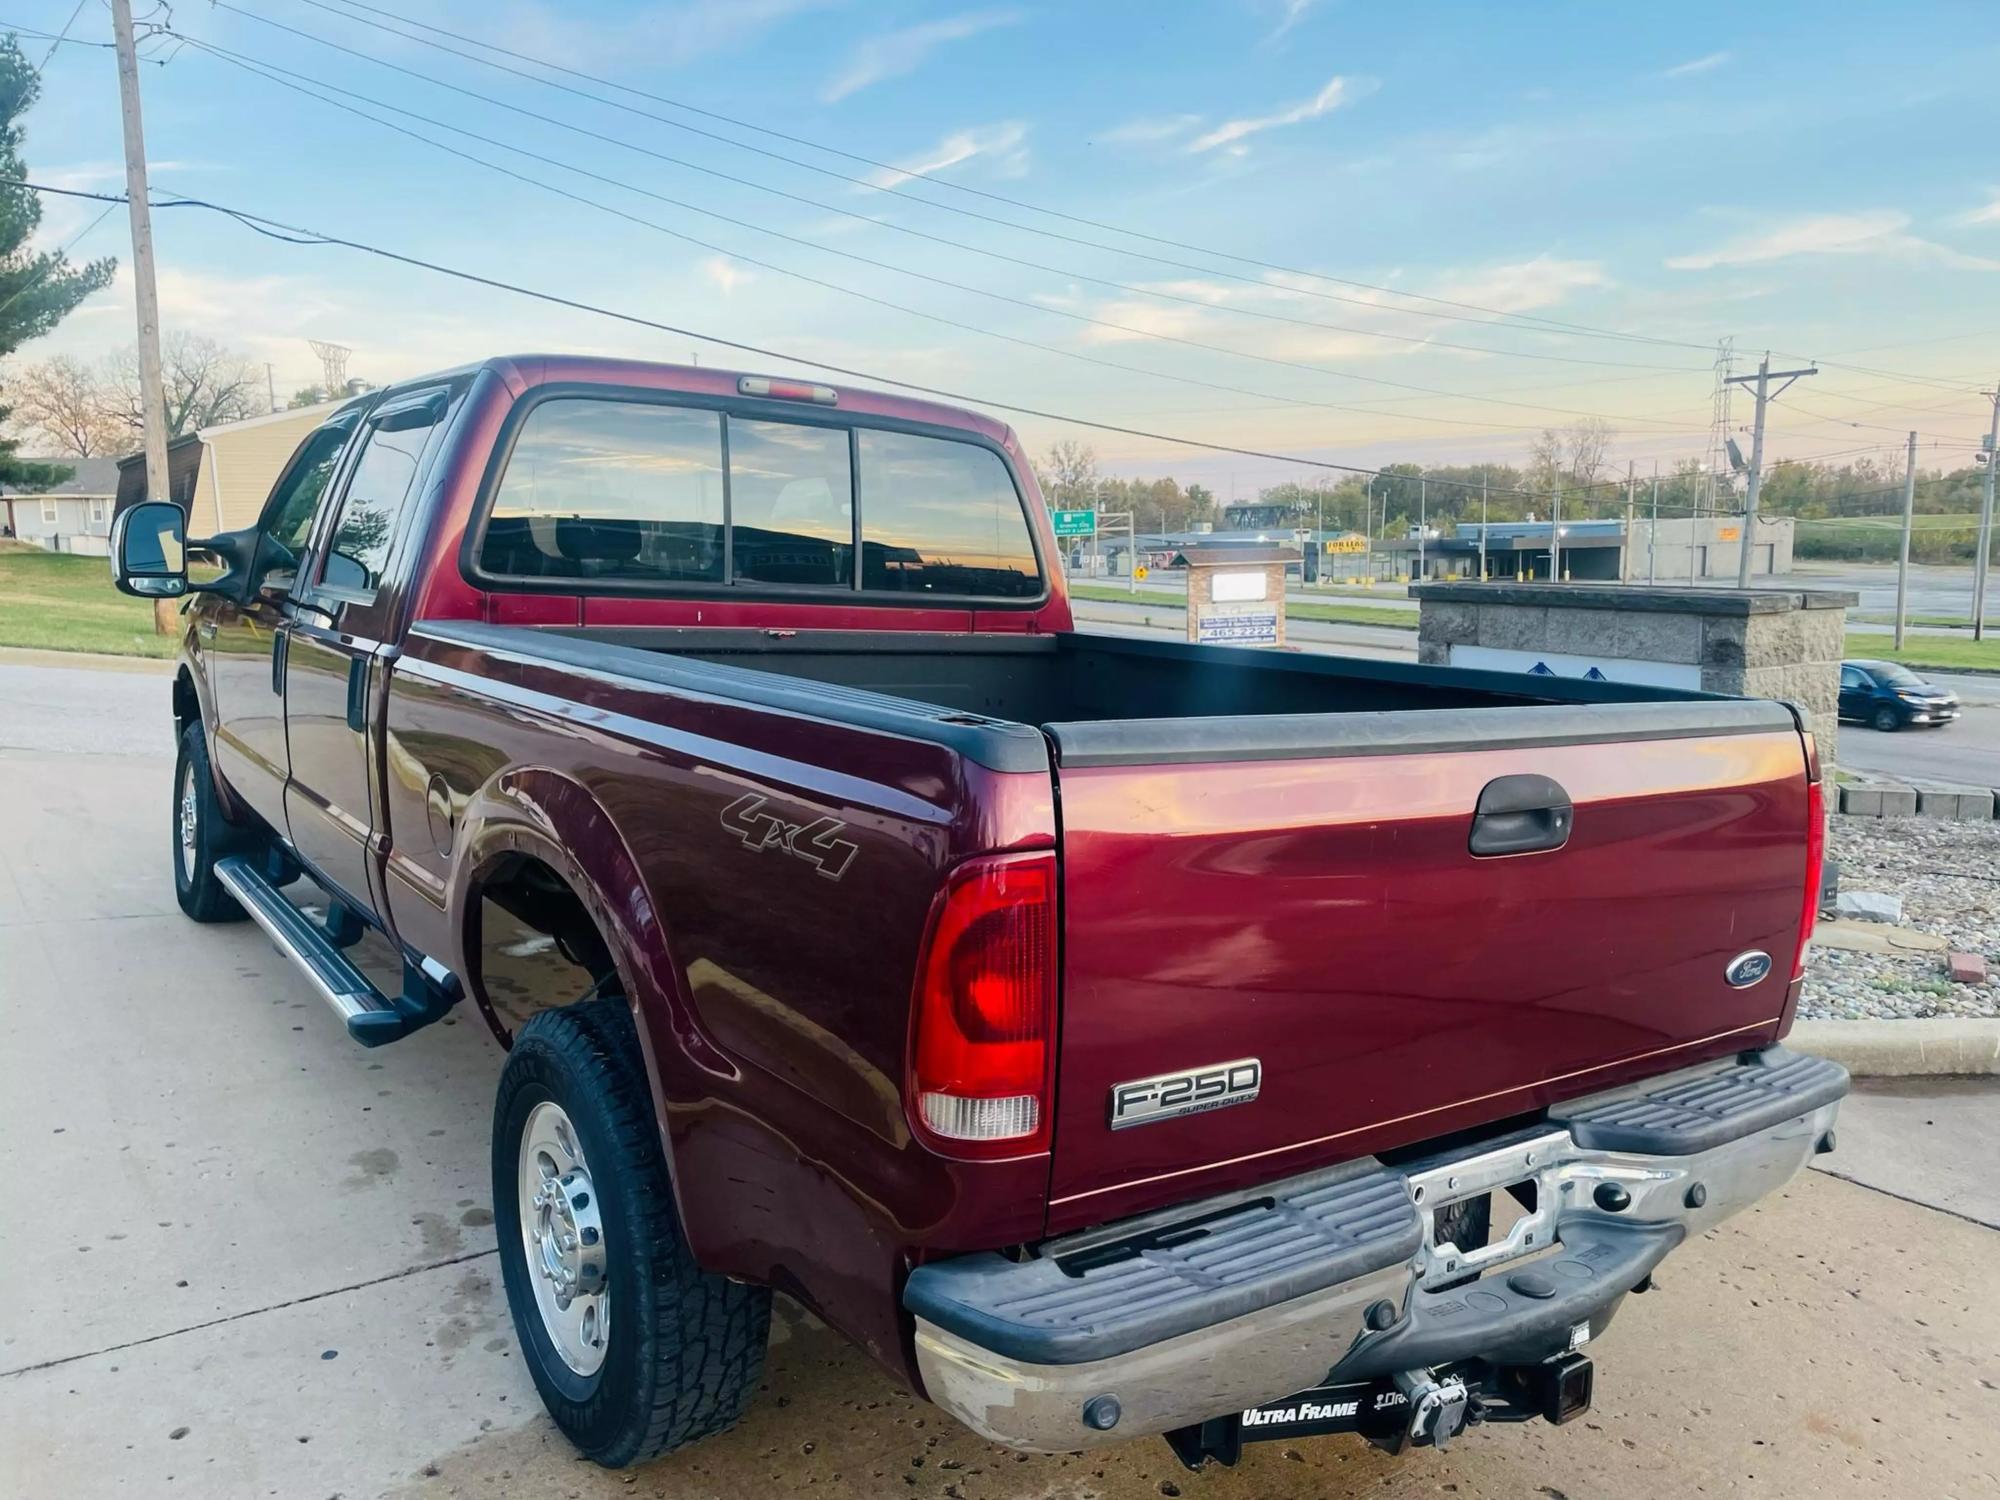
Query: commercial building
{"x": 1685, "y": 550}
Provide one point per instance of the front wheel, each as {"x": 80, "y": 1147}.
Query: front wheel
{"x": 201, "y": 835}
{"x": 1887, "y": 719}
{"x": 634, "y": 1348}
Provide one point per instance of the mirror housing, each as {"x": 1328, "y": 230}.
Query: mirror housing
{"x": 149, "y": 550}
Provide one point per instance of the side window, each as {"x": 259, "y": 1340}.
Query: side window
{"x": 377, "y": 492}
{"x": 289, "y": 512}
{"x": 791, "y": 503}
{"x": 941, "y": 517}
{"x": 610, "y": 489}
{"x": 1851, "y": 677}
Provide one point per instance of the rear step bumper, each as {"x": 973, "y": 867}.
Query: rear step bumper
{"x": 1218, "y": 1306}
{"x": 371, "y": 1017}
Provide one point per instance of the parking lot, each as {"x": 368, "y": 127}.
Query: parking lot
{"x": 249, "y": 1258}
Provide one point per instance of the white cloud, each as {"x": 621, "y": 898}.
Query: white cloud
{"x": 725, "y": 274}
{"x": 1987, "y": 213}
{"x": 1704, "y": 64}
{"x": 1295, "y": 12}
{"x": 1877, "y": 232}
{"x": 1002, "y": 144}
{"x": 1150, "y": 128}
{"x": 895, "y": 53}
{"x": 1336, "y": 93}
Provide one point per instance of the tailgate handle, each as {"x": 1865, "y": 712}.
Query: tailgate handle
{"x": 1521, "y": 815}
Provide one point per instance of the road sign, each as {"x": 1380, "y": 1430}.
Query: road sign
{"x": 1141, "y": 573}
{"x": 1074, "y": 522}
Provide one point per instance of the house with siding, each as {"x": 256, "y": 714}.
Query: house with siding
{"x": 74, "y": 516}
{"x": 221, "y": 475}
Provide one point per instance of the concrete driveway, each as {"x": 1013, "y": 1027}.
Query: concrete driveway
{"x": 245, "y": 1258}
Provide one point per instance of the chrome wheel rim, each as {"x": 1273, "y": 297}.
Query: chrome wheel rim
{"x": 184, "y": 822}
{"x": 562, "y": 1233}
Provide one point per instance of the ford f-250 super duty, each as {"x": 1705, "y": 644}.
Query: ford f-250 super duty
{"x": 1113, "y": 1037}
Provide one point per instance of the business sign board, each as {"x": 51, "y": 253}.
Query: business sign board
{"x": 1241, "y": 624}
{"x": 1239, "y": 587}
{"x": 1074, "y": 522}
{"x": 1594, "y": 668}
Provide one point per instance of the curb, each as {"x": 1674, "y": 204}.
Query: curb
{"x": 1939, "y": 1047}
{"x": 87, "y": 661}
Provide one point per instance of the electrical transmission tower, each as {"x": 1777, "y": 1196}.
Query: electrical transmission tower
{"x": 333, "y": 367}
{"x": 1717, "y": 462}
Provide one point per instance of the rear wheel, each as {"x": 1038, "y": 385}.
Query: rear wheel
{"x": 1887, "y": 719}
{"x": 634, "y": 1348}
{"x": 201, "y": 835}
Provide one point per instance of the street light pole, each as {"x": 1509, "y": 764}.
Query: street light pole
{"x": 1555, "y": 535}
{"x": 1482, "y": 525}
{"x": 1986, "y": 523}
{"x": 1903, "y": 558}
{"x": 1423, "y": 525}
{"x": 1653, "y": 530}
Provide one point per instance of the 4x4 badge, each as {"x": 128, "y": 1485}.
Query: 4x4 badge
{"x": 817, "y": 843}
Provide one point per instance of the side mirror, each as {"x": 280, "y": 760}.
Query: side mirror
{"x": 149, "y": 551}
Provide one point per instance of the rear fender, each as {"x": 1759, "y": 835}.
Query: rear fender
{"x": 555, "y": 819}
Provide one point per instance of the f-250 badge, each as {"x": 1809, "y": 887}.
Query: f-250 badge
{"x": 818, "y": 843}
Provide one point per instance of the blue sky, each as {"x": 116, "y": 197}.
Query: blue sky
{"x": 1816, "y": 179}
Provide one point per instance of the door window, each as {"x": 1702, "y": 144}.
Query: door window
{"x": 378, "y": 491}
{"x": 289, "y": 512}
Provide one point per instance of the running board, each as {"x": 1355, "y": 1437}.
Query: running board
{"x": 371, "y": 1017}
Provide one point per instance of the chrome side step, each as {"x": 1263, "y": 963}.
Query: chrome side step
{"x": 371, "y": 1017}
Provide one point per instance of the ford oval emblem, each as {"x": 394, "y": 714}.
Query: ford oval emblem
{"x": 1747, "y": 968}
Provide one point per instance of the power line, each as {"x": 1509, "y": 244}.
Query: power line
{"x": 1528, "y": 322}
{"x": 61, "y": 37}
{"x": 292, "y": 234}
{"x": 55, "y": 260}
{"x": 1067, "y": 272}
{"x": 855, "y": 292}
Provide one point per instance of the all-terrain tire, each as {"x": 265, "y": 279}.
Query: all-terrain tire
{"x": 201, "y": 835}
{"x": 683, "y": 1349}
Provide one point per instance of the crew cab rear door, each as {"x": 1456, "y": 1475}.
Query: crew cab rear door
{"x": 339, "y": 631}
{"x": 1290, "y": 953}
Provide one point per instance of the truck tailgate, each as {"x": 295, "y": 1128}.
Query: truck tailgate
{"x": 1301, "y": 892}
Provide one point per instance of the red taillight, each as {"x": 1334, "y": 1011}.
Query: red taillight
{"x": 1815, "y": 856}
{"x": 982, "y": 1052}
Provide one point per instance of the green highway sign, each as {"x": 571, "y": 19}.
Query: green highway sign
{"x": 1074, "y": 522}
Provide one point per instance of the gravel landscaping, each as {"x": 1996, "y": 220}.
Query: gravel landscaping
{"x": 1948, "y": 875}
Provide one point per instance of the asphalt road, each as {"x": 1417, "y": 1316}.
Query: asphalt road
{"x": 246, "y": 1258}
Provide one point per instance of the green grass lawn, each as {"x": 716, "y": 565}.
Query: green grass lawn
{"x": 1331, "y": 614}
{"x": 54, "y": 602}
{"x": 1939, "y": 653}
{"x": 1929, "y": 622}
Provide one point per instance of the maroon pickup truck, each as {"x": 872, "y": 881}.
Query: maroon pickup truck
{"x": 1113, "y": 1037}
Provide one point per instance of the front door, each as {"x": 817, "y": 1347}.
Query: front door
{"x": 1856, "y": 691}
{"x": 242, "y": 641}
{"x": 338, "y": 634}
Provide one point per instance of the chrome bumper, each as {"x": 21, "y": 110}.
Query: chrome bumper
{"x": 1610, "y": 1215}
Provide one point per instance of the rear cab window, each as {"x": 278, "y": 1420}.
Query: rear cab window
{"x": 646, "y": 496}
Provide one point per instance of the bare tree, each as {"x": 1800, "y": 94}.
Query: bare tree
{"x": 1068, "y": 473}
{"x": 64, "y": 401}
{"x": 1572, "y": 455}
{"x": 205, "y": 383}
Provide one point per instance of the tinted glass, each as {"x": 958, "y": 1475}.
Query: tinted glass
{"x": 289, "y": 516}
{"x": 1891, "y": 675}
{"x": 791, "y": 497}
{"x": 374, "y": 501}
{"x": 610, "y": 489}
{"x": 941, "y": 518}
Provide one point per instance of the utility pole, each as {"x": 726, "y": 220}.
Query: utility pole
{"x": 1423, "y": 524}
{"x": 1482, "y": 524}
{"x": 152, "y": 401}
{"x": 271, "y": 384}
{"x": 1653, "y": 530}
{"x": 1903, "y": 559}
{"x": 1625, "y": 552}
{"x": 1747, "y": 549}
{"x": 1986, "y": 522}
{"x": 1555, "y": 535}
{"x": 1368, "y": 529}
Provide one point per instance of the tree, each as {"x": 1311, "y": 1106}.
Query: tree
{"x": 1572, "y": 456}
{"x": 305, "y": 395}
{"x": 38, "y": 289}
{"x": 204, "y": 383}
{"x": 1068, "y": 475}
{"x": 64, "y": 401}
